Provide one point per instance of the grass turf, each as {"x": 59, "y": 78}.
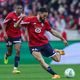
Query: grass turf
{"x": 35, "y": 72}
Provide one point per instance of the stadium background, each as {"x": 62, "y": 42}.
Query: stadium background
{"x": 64, "y": 16}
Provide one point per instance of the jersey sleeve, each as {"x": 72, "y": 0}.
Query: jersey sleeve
{"x": 7, "y": 19}
{"x": 48, "y": 27}
{"x": 26, "y": 21}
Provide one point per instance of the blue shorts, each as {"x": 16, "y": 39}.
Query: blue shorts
{"x": 46, "y": 50}
{"x": 10, "y": 41}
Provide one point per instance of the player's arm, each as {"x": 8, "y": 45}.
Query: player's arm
{"x": 4, "y": 31}
{"x": 57, "y": 34}
{"x": 5, "y": 24}
{"x": 26, "y": 21}
{"x": 17, "y": 24}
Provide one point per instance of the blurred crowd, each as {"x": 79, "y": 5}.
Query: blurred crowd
{"x": 63, "y": 14}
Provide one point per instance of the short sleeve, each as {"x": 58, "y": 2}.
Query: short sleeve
{"x": 48, "y": 27}
{"x": 26, "y": 21}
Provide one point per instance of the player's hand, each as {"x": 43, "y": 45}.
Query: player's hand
{"x": 5, "y": 36}
{"x": 22, "y": 16}
{"x": 65, "y": 42}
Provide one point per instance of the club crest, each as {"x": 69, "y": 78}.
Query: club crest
{"x": 37, "y": 30}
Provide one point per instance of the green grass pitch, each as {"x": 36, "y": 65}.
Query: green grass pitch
{"x": 35, "y": 72}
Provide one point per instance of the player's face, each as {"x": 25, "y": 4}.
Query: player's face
{"x": 19, "y": 9}
{"x": 44, "y": 15}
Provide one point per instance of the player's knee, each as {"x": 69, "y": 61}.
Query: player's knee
{"x": 9, "y": 53}
{"x": 58, "y": 60}
{"x": 56, "y": 57}
{"x": 18, "y": 50}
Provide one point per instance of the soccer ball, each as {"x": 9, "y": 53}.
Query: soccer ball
{"x": 69, "y": 73}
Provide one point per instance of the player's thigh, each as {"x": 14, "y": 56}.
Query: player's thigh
{"x": 38, "y": 56}
{"x": 17, "y": 46}
{"x": 47, "y": 50}
{"x": 17, "y": 43}
{"x": 56, "y": 57}
{"x": 9, "y": 45}
{"x": 36, "y": 52}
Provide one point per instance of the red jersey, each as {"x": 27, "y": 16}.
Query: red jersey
{"x": 9, "y": 21}
{"x": 36, "y": 31}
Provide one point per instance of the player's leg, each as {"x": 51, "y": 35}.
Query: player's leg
{"x": 39, "y": 57}
{"x": 56, "y": 57}
{"x": 17, "y": 58}
{"x": 48, "y": 51}
{"x": 9, "y": 51}
{"x": 60, "y": 51}
{"x": 17, "y": 45}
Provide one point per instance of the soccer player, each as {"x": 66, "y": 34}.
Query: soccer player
{"x": 12, "y": 35}
{"x": 38, "y": 42}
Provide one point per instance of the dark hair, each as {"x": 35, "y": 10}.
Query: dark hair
{"x": 42, "y": 10}
{"x": 19, "y": 4}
